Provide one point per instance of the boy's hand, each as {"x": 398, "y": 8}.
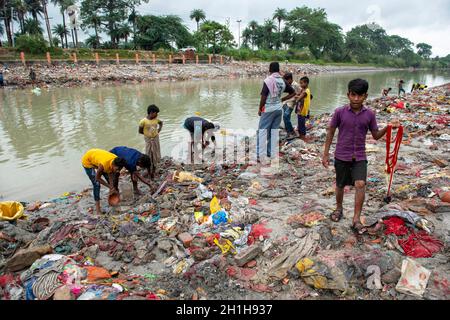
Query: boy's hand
{"x": 395, "y": 123}
{"x": 325, "y": 160}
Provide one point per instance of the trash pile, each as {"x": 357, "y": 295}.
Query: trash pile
{"x": 88, "y": 74}
{"x": 231, "y": 231}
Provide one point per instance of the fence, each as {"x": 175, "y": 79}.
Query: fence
{"x": 153, "y": 60}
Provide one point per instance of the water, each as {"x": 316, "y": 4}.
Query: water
{"x": 42, "y": 138}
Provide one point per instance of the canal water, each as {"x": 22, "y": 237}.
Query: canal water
{"x": 42, "y": 137}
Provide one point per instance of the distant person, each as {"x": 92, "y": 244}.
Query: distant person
{"x": 418, "y": 86}
{"x": 32, "y": 75}
{"x": 289, "y": 105}
{"x": 198, "y": 125}
{"x": 134, "y": 159}
{"x": 271, "y": 109}
{"x": 385, "y": 92}
{"x": 353, "y": 121}
{"x": 302, "y": 109}
{"x": 150, "y": 127}
{"x": 400, "y": 87}
{"x": 98, "y": 163}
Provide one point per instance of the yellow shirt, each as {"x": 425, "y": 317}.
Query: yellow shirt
{"x": 95, "y": 157}
{"x": 150, "y": 127}
{"x": 306, "y": 103}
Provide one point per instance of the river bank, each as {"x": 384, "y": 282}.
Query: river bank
{"x": 84, "y": 74}
{"x": 155, "y": 247}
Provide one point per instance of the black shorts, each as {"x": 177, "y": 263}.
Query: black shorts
{"x": 347, "y": 172}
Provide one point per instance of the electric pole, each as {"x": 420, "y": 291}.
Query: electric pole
{"x": 239, "y": 32}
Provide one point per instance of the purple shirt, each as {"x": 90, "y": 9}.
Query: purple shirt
{"x": 351, "y": 143}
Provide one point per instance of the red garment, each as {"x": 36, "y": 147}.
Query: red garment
{"x": 396, "y": 226}
{"x": 421, "y": 245}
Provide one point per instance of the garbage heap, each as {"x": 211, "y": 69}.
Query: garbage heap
{"x": 236, "y": 231}
{"x": 67, "y": 74}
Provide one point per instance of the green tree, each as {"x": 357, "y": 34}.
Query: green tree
{"x": 90, "y": 17}
{"x": 253, "y": 25}
{"x": 112, "y": 14}
{"x": 197, "y": 15}
{"x": 215, "y": 36}
{"x": 5, "y": 13}
{"x": 398, "y": 44}
{"x": 32, "y": 27}
{"x": 93, "y": 41}
{"x": 60, "y": 31}
{"x": 424, "y": 50}
{"x": 124, "y": 31}
{"x": 279, "y": 15}
{"x": 311, "y": 29}
{"x": 35, "y": 8}
{"x": 63, "y": 5}
{"x": 21, "y": 8}
{"x": 154, "y": 32}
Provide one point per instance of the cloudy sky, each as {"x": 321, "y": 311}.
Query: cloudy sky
{"x": 417, "y": 20}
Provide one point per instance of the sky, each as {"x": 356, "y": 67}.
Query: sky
{"x": 417, "y": 20}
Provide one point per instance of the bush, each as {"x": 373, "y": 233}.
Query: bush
{"x": 33, "y": 44}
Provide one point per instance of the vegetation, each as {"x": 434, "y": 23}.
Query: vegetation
{"x": 302, "y": 34}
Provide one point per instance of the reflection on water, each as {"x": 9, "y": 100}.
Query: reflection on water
{"x": 43, "y": 137}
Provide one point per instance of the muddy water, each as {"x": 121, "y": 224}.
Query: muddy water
{"x": 42, "y": 137}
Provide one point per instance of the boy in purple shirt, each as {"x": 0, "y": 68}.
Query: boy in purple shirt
{"x": 353, "y": 121}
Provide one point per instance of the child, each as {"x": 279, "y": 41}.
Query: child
{"x": 150, "y": 127}
{"x": 288, "y": 105}
{"x": 400, "y": 87}
{"x": 385, "y": 92}
{"x": 134, "y": 160}
{"x": 98, "y": 163}
{"x": 302, "y": 110}
{"x": 353, "y": 121}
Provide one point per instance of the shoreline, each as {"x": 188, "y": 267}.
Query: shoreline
{"x": 84, "y": 74}
{"x": 155, "y": 248}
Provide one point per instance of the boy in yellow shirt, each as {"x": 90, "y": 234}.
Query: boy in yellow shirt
{"x": 150, "y": 127}
{"x": 98, "y": 163}
{"x": 302, "y": 110}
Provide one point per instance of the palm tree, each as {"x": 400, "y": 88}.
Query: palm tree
{"x": 132, "y": 19}
{"x": 21, "y": 8}
{"x": 93, "y": 20}
{"x": 268, "y": 26}
{"x": 253, "y": 25}
{"x": 60, "y": 31}
{"x": 123, "y": 32}
{"x": 35, "y": 8}
{"x": 197, "y": 15}
{"x": 280, "y": 15}
{"x": 47, "y": 22}
{"x": 93, "y": 41}
{"x": 32, "y": 26}
{"x": 63, "y": 4}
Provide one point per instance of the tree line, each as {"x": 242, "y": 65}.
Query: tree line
{"x": 302, "y": 33}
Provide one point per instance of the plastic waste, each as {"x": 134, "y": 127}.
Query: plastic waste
{"x": 203, "y": 192}
{"x": 220, "y": 217}
{"x": 414, "y": 278}
{"x": 183, "y": 176}
{"x": 11, "y": 210}
{"x": 214, "y": 205}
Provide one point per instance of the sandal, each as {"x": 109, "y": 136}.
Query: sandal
{"x": 337, "y": 215}
{"x": 359, "y": 228}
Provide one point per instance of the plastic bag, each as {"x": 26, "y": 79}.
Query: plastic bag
{"x": 421, "y": 245}
{"x": 396, "y": 226}
{"x": 214, "y": 205}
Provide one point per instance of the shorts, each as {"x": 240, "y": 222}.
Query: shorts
{"x": 347, "y": 172}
